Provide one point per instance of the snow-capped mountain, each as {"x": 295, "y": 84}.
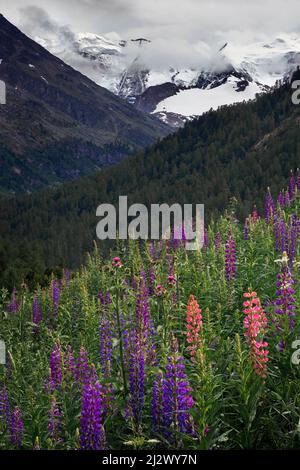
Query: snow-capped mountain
{"x": 174, "y": 94}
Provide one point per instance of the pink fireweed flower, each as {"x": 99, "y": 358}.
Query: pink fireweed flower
{"x": 193, "y": 326}
{"x": 160, "y": 290}
{"x": 255, "y": 324}
{"x": 254, "y": 217}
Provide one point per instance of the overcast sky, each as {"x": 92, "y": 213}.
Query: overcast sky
{"x": 189, "y": 20}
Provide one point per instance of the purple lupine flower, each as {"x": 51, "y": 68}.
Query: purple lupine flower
{"x": 298, "y": 181}
{"x": 16, "y": 427}
{"x": 246, "y": 229}
{"x": 92, "y": 435}
{"x": 218, "y": 241}
{"x": 175, "y": 238}
{"x": 36, "y": 312}
{"x": 69, "y": 363}
{"x": 107, "y": 390}
{"x": 66, "y": 277}
{"x": 177, "y": 398}
{"x": 230, "y": 258}
{"x": 105, "y": 353}
{"x": 298, "y": 229}
{"x": 82, "y": 367}
{"x": 283, "y": 235}
{"x": 269, "y": 207}
{"x": 183, "y": 234}
{"x": 56, "y": 374}
{"x": 55, "y": 295}
{"x": 4, "y": 405}
{"x": 143, "y": 309}
{"x": 287, "y": 199}
{"x": 54, "y": 425}
{"x": 285, "y": 302}
{"x": 104, "y": 298}
{"x": 152, "y": 280}
{"x": 136, "y": 377}
{"x": 281, "y": 199}
{"x": 157, "y": 402}
{"x": 13, "y": 306}
{"x": 151, "y": 250}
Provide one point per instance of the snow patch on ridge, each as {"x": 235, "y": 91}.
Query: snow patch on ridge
{"x": 196, "y": 101}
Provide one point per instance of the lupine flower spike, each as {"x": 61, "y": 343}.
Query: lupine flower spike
{"x": 255, "y": 324}
{"x": 193, "y": 327}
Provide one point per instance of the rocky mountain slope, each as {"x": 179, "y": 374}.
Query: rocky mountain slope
{"x": 58, "y": 124}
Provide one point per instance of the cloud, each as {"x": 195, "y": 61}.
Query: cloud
{"x": 188, "y": 19}
{"x": 158, "y": 55}
{"x": 37, "y": 22}
{"x": 185, "y": 32}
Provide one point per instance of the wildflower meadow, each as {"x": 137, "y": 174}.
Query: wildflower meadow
{"x": 158, "y": 347}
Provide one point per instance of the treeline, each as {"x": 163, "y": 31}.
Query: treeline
{"x": 236, "y": 151}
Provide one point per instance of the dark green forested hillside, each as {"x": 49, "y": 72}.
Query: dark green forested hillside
{"x": 235, "y": 151}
